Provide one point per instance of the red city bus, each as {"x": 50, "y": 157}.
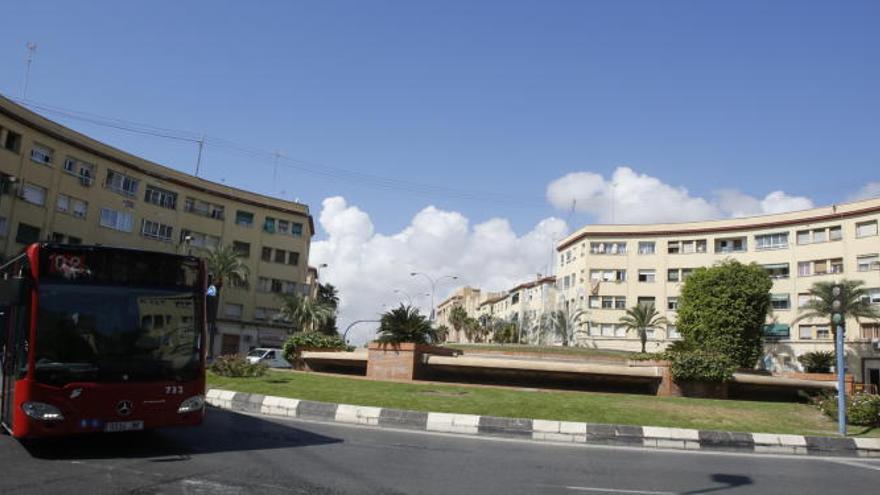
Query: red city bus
{"x": 100, "y": 339}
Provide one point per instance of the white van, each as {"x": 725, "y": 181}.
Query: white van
{"x": 272, "y": 357}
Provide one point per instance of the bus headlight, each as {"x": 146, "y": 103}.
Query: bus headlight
{"x": 194, "y": 403}
{"x": 42, "y": 411}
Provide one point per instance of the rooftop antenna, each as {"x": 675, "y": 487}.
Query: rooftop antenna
{"x": 31, "y": 48}
{"x": 201, "y": 142}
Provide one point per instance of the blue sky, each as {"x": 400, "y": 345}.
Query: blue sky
{"x": 500, "y": 97}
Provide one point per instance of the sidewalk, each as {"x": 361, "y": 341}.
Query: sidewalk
{"x": 542, "y": 430}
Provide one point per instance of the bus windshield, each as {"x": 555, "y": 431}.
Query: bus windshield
{"x": 112, "y": 333}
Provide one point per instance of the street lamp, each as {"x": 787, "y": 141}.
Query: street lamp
{"x": 433, "y": 286}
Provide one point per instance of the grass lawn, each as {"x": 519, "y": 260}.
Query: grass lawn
{"x": 544, "y": 349}
{"x": 590, "y": 407}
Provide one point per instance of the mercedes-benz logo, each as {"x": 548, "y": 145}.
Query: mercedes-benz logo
{"x": 124, "y": 407}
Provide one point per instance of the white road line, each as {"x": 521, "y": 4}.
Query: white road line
{"x": 855, "y": 463}
{"x": 614, "y": 490}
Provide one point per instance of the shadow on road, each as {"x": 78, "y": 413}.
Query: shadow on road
{"x": 222, "y": 431}
{"x": 727, "y": 481}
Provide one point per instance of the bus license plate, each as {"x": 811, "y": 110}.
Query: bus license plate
{"x": 116, "y": 426}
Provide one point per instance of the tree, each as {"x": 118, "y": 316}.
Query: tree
{"x": 223, "y": 264}
{"x": 505, "y": 332}
{"x": 458, "y": 318}
{"x": 565, "y": 323}
{"x": 641, "y": 318}
{"x": 856, "y": 304}
{"x": 723, "y": 308}
{"x": 304, "y": 313}
{"x": 329, "y": 295}
{"x": 405, "y": 324}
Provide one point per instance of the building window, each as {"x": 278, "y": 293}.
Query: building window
{"x": 27, "y": 234}
{"x": 780, "y": 302}
{"x": 731, "y": 245}
{"x": 777, "y": 270}
{"x": 672, "y": 275}
{"x": 260, "y": 314}
{"x": 672, "y": 332}
{"x": 269, "y": 225}
{"x": 293, "y": 258}
{"x": 873, "y": 296}
{"x": 805, "y": 332}
{"x": 264, "y": 284}
{"x": 867, "y": 262}
{"x": 804, "y": 269}
{"x": 33, "y": 194}
{"x": 42, "y": 154}
{"x": 200, "y": 240}
{"x": 161, "y": 197}
{"x": 771, "y": 241}
{"x": 71, "y": 206}
{"x": 244, "y": 218}
{"x": 822, "y": 332}
{"x": 672, "y": 303}
{"x": 84, "y": 171}
{"x": 870, "y": 331}
{"x": 647, "y": 247}
{"x": 121, "y": 183}
{"x": 804, "y": 298}
{"x": 607, "y": 275}
{"x": 203, "y": 208}
{"x": 803, "y": 237}
{"x": 10, "y": 141}
{"x": 117, "y": 220}
{"x": 280, "y": 256}
{"x": 866, "y": 229}
{"x": 233, "y": 311}
{"x": 835, "y": 233}
{"x": 296, "y": 229}
{"x": 283, "y": 227}
{"x": 608, "y": 248}
{"x": 243, "y": 249}
{"x": 646, "y": 301}
{"x": 156, "y": 230}
{"x": 647, "y": 276}
{"x": 836, "y": 265}
{"x": 266, "y": 254}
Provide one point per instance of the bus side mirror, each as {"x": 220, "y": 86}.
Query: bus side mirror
{"x": 13, "y": 291}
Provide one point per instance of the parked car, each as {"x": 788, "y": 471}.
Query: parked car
{"x": 272, "y": 357}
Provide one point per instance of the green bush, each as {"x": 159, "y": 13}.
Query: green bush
{"x": 861, "y": 409}
{"x": 311, "y": 340}
{"x": 648, "y": 356}
{"x": 237, "y": 366}
{"x": 722, "y": 309}
{"x": 701, "y": 366}
{"x": 817, "y": 361}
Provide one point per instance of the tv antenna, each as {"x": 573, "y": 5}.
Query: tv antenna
{"x": 31, "y": 49}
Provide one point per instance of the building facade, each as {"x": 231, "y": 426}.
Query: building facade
{"x": 59, "y": 185}
{"x": 605, "y": 269}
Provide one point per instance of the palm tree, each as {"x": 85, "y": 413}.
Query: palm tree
{"x": 458, "y": 318}
{"x": 223, "y": 264}
{"x": 856, "y": 304}
{"x": 565, "y": 323}
{"x": 329, "y": 295}
{"x": 405, "y": 324}
{"x": 641, "y": 318}
{"x": 305, "y": 314}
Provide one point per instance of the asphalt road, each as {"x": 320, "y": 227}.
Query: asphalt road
{"x": 234, "y": 453}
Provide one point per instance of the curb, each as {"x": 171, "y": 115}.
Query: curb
{"x": 544, "y": 430}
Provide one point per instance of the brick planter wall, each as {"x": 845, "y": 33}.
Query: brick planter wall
{"x": 399, "y": 361}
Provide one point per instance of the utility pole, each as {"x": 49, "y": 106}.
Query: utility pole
{"x": 201, "y": 142}
{"x": 276, "y": 154}
{"x": 31, "y": 48}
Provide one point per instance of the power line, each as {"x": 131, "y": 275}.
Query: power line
{"x": 277, "y": 159}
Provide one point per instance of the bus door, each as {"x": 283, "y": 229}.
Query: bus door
{"x": 13, "y": 343}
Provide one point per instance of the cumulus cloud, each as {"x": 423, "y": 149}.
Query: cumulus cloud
{"x": 630, "y": 197}
{"x": 868, "y": 191}
{"x": 367, "y": 266}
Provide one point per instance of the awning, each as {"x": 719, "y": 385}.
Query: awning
{"x": 777, "y": 330}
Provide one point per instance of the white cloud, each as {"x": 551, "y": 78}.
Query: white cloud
{"x": 630, "y": 197}
{"x": 367, "y": 266}
{"x": 868, "y": 191}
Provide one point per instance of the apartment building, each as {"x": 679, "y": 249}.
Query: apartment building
{"x": 59, "y": 185}
{"x": 524, "y": 303}
{"x": 605, "y": 269}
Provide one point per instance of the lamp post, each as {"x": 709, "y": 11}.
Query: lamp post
{"x": 433, "y": 286}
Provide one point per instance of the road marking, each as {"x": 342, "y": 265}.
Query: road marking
{"x": 855, "y": 463}
{"x": 614, "y": 490}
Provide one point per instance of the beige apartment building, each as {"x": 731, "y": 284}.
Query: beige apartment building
{"x": 526, "y": 302}
{"x": 59, "y": 185}
{"x": 605, "y": 269}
